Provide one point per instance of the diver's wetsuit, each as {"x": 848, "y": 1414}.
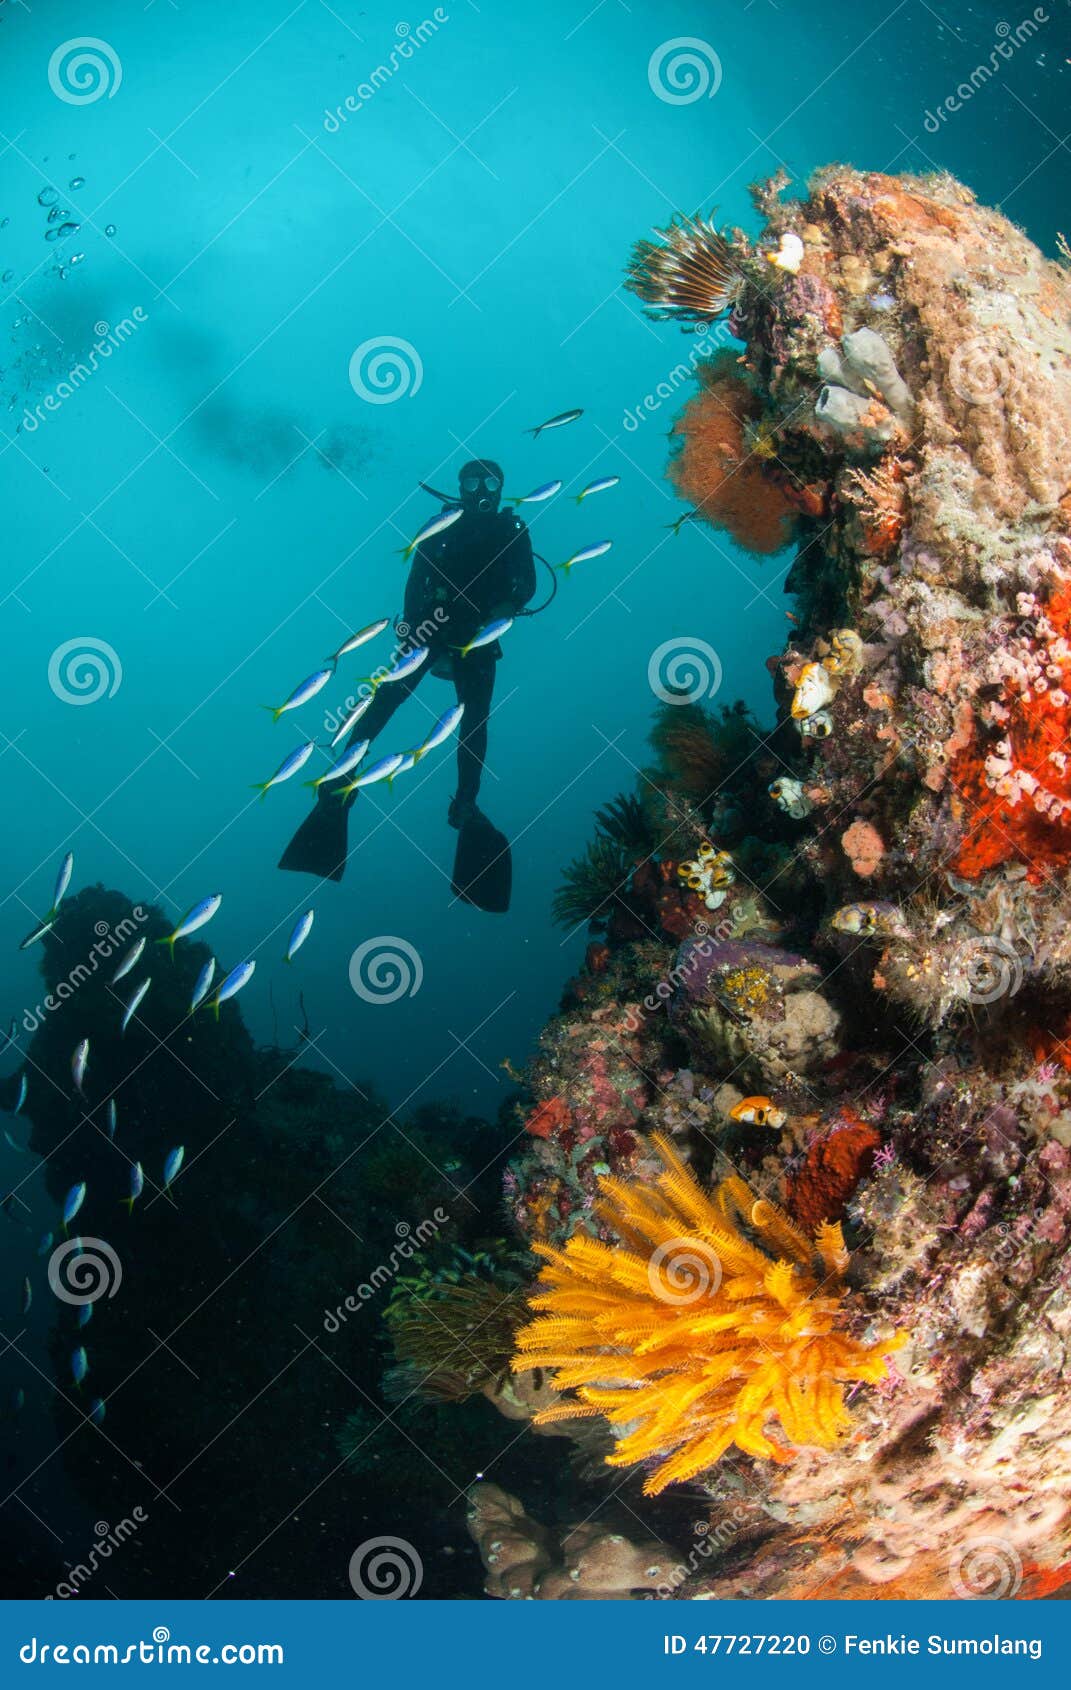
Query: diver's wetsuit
{"x": 478, "y": 568}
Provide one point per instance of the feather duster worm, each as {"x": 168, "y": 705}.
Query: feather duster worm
{"x": 687, "y": 274}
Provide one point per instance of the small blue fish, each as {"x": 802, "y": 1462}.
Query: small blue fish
{"x": 79, "y": 1064}
{"x": 301, "y": 932}
{"x": 194, "y": 918}
{"x": 79, "y": 1364}
{"x": 47, "y": 1241}
{"x": 604, "y": 483}
{"x": 355, "y": 641}
{"x": 96, "y": 1411}
{"x": 585, "y": 555}
{"x": 559, "y": 421}
{"x": 345, "y": 765}
{"x": 301, "y": 694}
{"x": 63, "y": 880}
{"x": 434, "y": 525}
{"x": 675, "y": 527}
{"x": 407, "y": 665}
{"x": 27, "y": 1296}
{"x": 353, "y": 718}
{"x": 289, "y": 766}
{"x": 172, "y": 1164}
{"x": 385, "y": 769}
{"x": 204, "y": 980}
{"x": 132, "y": 1006}
{"x": 73, "y": 1202}
{"x": 537, "y": 496}
{"x": 85, "y": 1315}
{"x": 232, "y": 985}
{"x": 137, "y": 1186}
{"x": 23, "y": 1089}
{"x": 442, "y": 730}
{"x": 111, "y": 1117}
{"x": 129, "y": 961}
{"x": 36, "y": 933}
{"x": 487, "y": 635}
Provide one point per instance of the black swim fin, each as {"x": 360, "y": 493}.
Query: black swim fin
{"x": 320, "y": 844}
{"x": 483, "y": 866}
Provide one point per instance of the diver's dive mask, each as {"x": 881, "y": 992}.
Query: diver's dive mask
{"x": 480, "y": 485}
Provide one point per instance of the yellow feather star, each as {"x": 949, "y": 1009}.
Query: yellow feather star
{"x": 714, "y": 1321}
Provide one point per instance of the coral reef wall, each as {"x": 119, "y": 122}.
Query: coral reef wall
{"x": 844, "y": 975}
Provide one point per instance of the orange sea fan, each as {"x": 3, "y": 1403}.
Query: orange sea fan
{"x": 731, "y": 487}
{"x": 712, "y": 1320}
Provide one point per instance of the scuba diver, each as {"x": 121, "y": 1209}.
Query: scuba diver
{"x": 476, "y": 570}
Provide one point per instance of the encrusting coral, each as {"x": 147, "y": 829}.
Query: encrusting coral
{"x": 693, "y": 1337}
{"x": 886, "y": 983}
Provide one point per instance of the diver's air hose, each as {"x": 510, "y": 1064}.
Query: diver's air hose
{"x": 553, "y": 590}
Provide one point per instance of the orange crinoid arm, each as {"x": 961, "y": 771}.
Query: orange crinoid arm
{"x": 715, "y": 1322}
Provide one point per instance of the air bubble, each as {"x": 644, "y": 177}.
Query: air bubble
{"x": 8, "y": 276}
{"x": 76, "y": 258}
{"x": 62, "y": 231}
{"x": 76, "y": 182}
{"x": 110, "y": 230}
{"x": 47, "y": 196}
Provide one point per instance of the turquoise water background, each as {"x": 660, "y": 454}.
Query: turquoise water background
{"x": 220, "y": 507}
